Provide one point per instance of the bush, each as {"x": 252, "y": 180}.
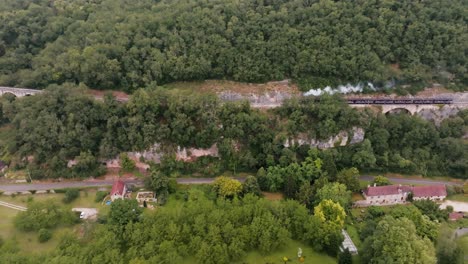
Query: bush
{"x": 126, "y": 163}
{"x": 172, "y": 185}
{"x": 100, "y": 196}
{"x": 44, "y": 235}
{"x": 43, "y": 215}
{"x": 71, "y": 195}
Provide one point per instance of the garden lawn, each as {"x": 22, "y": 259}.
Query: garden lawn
{"x": 289, "y": 251}
{"x": 27, "y": 241}
{"x": 463, "y": 243}
{"x": 458, "y": 197}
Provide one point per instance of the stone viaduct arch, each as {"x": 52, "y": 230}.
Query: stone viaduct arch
{"x": 18, "y": 92}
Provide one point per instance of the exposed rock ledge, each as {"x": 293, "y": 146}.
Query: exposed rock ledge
{"x": 155, "y": 153}
{"x": 355, "y": 135}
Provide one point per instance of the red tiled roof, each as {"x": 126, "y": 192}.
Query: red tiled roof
{"x": 386, "y": 190}
{"x": 431, "y": 190}
{"x": 118, "y": 188}
{"x": 418, "y": 191}
{"x": 455, "y": 216}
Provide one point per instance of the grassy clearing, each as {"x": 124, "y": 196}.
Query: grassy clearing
{"x": 27, "y": 241}
{"x": 463, "y": 243}
{"x": 357, "y": 197}
{"x": 418, "y": 177}
{"x": 214, "y": 86}
{"x": 353, "y": 233}
{"x": 458, "y": 197}
{"x": 289, "y": 251}
{"x": 363, "y": 184}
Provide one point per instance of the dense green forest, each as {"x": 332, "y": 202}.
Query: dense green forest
{"x": 204, "y": 224}
{"x": 49, "y": 129}
{"x": 121, "y": 44}
{"x": 200, "y": 225}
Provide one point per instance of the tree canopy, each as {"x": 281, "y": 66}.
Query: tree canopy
{"x": 396, "y": 241}
{"x": 110, "y": 44}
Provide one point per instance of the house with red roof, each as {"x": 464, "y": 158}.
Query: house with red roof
{"x": 431, "y": 192}
{"x": 454, "y": 216}
{"x": 397, "y": 194}
{"x": 118, "y": 190}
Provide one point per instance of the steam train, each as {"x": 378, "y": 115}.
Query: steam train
{"x": 398, "y": 101}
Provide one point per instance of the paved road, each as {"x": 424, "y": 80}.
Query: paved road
{"x": 91, "y": 183}
{"x": 412, "y": 181}
{"x": 100, "y": 183}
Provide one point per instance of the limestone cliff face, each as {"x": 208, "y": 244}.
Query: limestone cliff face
{"x": 438, "y": 114}
{"x": 156, "y": 152}
{"x": 353, "y": 136}
{"x": 269, "y": 99}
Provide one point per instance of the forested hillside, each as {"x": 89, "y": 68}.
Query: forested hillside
{"x": 62, "y": 124}
{"x": 122, "y": 44}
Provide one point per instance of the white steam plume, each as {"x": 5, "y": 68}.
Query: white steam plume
{"x": 343, "y": 89}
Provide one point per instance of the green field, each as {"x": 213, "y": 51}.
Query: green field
{"x": 289, "y": 251}
{"x": 458, "y": 197}
{"x": 463, "y": 243}
{"x": 27, "y": 241}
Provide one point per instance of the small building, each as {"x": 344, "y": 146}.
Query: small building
{"x": 397, "y": 194}
{"x": 145, "y": 197}
{"x": 119, "y": 189}
{"x": 454, "y": 216}
{"x": 348, "y": 243}
{"x": 386, "y": 195}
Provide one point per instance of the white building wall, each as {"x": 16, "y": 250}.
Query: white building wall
{"x": 387, "y": 199}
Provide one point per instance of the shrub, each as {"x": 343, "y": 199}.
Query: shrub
{"x": 227, "y": 187}
{"x": 100, "y": 196}
{"x": 71, "y": 195}
{"x": 126, "y": 163}
{"x": 44, "y": 235}
{"x": 43, "y": 215}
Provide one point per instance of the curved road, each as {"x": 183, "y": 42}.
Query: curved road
{"x": 90, "y": 183}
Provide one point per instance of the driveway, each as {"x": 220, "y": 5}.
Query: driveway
{"x": 457, "y": 206}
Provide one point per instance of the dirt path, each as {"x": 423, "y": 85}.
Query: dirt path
{"x": 13, "y": 206}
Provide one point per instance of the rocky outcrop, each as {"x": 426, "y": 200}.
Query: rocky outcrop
{"x": 269, "y": 99}
{"x": 353, "y": 136}
{"x": 439, "y": 114}
{"x": 155, "y": 153}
